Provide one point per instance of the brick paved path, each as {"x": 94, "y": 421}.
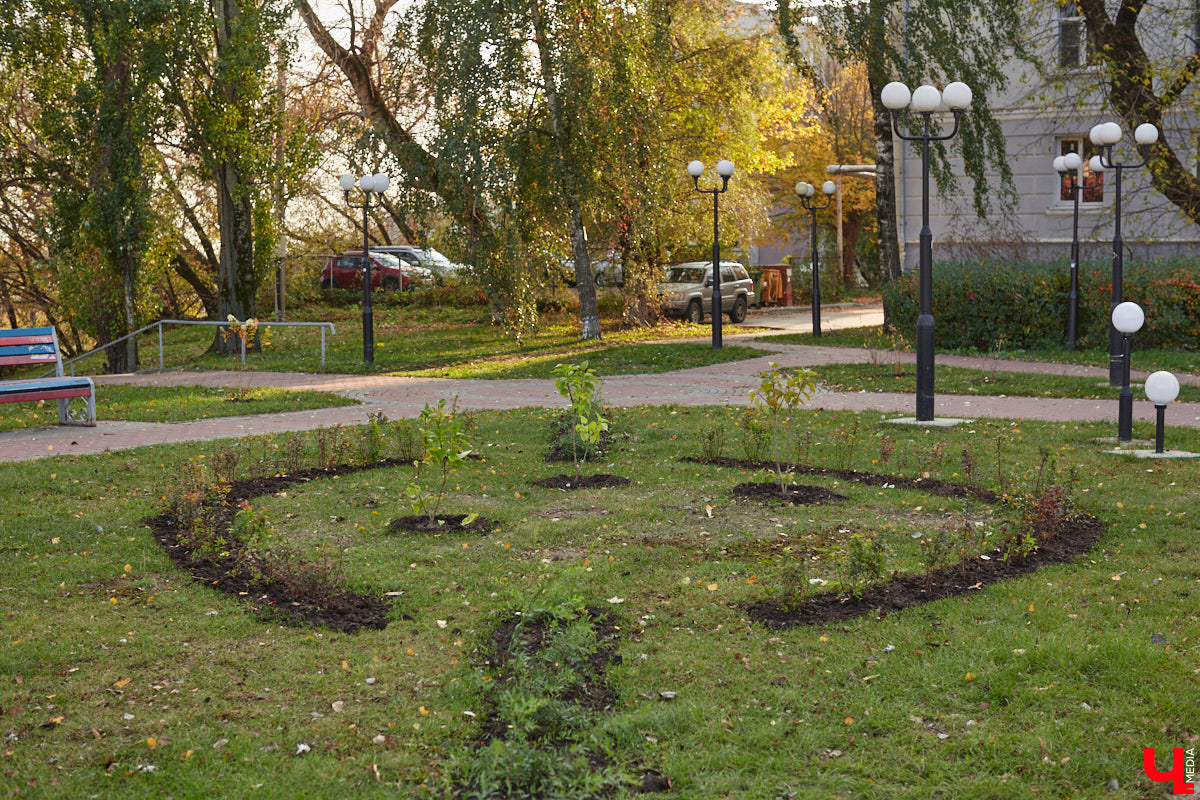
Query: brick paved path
{"x": 721, "y": 384}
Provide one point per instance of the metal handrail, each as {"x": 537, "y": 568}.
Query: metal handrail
{"x": 159, "y": 324}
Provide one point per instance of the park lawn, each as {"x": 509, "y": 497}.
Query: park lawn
{"x": 873, "y": 338}
{"x": 123, "y": 678}
{"x": 174, "y": 404}
{"x": 962, "y": 380}
{"x": 442, "y": 341}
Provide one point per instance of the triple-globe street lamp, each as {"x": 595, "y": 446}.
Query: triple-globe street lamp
{"x": 807, "y": 194}
{"x": 925, "y": 100}
{"x": 725, "y": 170}
{"x": 1067, "y": 166}
{"x": 1105, "y": 136}
{"x": 370, "y": 185}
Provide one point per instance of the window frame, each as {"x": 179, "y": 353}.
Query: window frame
{"x": 1094, "y": 197}
{"x": 1069, "y": 16}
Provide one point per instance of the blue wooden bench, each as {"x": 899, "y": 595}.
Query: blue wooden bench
{"x": 39, "y": 346}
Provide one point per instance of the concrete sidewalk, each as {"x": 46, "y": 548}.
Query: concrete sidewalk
{"x": 719, "y": 384}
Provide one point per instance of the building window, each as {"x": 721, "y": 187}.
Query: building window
{"x": 1072, "y": 38}
{"x": 1091, "y": 184}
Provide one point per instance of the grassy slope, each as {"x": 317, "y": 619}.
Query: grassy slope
{"x": 115, "y": 661}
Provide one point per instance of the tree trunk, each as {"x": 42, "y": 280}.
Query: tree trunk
{"x": 569, "y": 178}
{"x": 851, "y": 227}
{"x": 236, "y": 278}
{"x": 885, "y": 190}
{"x": 206, "y": 293}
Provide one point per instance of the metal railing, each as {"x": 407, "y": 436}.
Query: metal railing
{"x": 262, "y": 322}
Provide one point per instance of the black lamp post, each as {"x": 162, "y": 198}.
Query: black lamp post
{"x": 1161, "y": 389}
{"x": 725, "y": 170}
{"x": 1127, "y": 319}
{"x": 1068, "y": 168}
{"x": 807, "y": 192}
{"x": 375, "y": 184}
{"x": 1105, "y": 136}
{"x": 924, "y": 101}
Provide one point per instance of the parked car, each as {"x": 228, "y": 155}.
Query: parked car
{"x": 686, "y": 290}
{"x": 345, "y": 271}
{"x": 425, "y": 259}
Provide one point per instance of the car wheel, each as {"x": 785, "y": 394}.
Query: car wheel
{"x": 738, "y": 313}
{"x": 599, "y": 278}
{"x": 694, "y": 314}
{"x": 327, "y": 283}
{"x": 389, "y": 285}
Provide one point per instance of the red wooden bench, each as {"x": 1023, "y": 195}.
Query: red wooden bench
{"x": 39, "y": 346}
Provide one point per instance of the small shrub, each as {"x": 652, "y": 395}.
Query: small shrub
{"x": 865, "y": 555}
{"x": 712, "y": 443}
{"x": 407, "y": 444}
{"x": 291, "y": 457}
{"x": 579, "y": 384}
{"x": 446, "y": 448}
{"x": 794, "y": 586}
{"x": 754, "y": 438}
{"x": 936, "y": 549}
{"x": 370, "y": 441}
{"x": 781, "y": 392}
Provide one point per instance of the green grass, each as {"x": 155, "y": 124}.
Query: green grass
{"x": 961, "y": 380}
{"x": 114, "y": 661}
{"x": 431, "y": 341}
{"x": 174, "y": 404}
{"x": 1178, "y": 361}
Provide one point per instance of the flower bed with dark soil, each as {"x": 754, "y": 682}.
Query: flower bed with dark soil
{"x": 568, "y": 482}
{"x": 344, "y": 611}
{"x": 905, "y": 591}
{"x": 1076, "y": 536}
{"x": 442, "y": 523}
{"x": 794, "y": 494}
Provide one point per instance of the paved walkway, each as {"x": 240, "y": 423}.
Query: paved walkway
{"x": 720, "y": 384}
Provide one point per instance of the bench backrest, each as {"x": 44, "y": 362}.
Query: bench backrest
{"x": 23, "y": 346}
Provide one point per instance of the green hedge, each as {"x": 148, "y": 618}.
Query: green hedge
{"x": 1004, "y": 305}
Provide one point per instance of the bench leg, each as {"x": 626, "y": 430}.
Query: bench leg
{"x": 66, "y": 417}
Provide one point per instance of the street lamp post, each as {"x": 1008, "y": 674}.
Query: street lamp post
{"x": 1161, "y": 389}
{"x": 725, "y": 170}
{"x": 924, "y": 101}
{"x": 1105, "y": 136}
{"x": 1127, "y": 319}
{"x": 1068, "y": 168}
{"x": 807, "y": 192}
{"x": 375, "y": 184}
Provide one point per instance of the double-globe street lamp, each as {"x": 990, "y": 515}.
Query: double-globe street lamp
{"x": 1068, "y": 166}
{"x": 370, "y": 185}
{"x": 725, "y": 170}
{"x": 1127, "y": 319}
{"x": 807, "y": 194}
{"x": 1105, "y": 136}
{"x": 925, "y": 100}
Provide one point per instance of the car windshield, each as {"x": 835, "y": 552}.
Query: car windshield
{"x": 435, "y": 258}
{"x": 685, "y": 275}
{"x": 387, "y": 259}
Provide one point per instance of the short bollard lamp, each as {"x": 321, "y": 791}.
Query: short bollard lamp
{"x": 924, "y": 101}
{"x": 725, "y": 170}
{"x": 1127, "y": 319}
{"x": 1161, "y": 389}
{"x": 807, "y": 194}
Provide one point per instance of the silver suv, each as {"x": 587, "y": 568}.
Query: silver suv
{"x": 687, "y": 290}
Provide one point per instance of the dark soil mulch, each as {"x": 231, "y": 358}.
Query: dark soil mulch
{"x": 932, "y": 485}
{"x": 346, "y": 612}
{"x": 905, "y": 591}
{"x": 591, "y": 692}
{"x": 568, "y": 482}
{"x": 420, "y": 523}
{"x": 795, "y": 494}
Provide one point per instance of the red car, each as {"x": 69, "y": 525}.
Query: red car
{"x": 345, "y": 271}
